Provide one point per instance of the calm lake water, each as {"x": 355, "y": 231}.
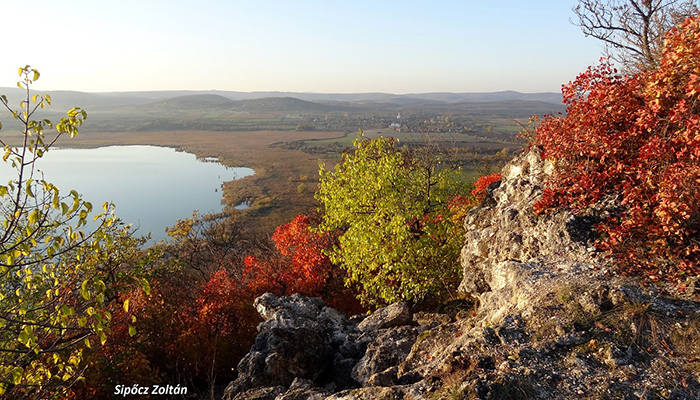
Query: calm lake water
{"x": 151, "y": 186}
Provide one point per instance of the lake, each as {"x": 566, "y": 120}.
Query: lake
{"x": 150, "y": 186}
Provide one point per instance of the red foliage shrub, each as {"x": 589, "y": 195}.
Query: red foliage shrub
{"x": 482, "y": 184}
{"x": 638, "y": 137}
{"x": 188, "y": 334}
{"x": 301, "y": 266}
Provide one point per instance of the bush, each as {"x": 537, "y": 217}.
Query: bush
{"x": 391, "y": 203}
{"x": 637, "y": 137}
{"x": 300, "y": 265}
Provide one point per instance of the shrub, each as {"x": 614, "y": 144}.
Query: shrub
{"x": 398, "y": 240}
{"x": 58, "y": 282}
{"x": 638, "y": 137}
{"x": 483, "y": 183}
{"x": 300, "y": 265}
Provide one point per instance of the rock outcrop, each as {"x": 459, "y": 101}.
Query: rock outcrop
{"x": 306, "y": 350}
{"x": 550, "y": 321}
{"x": 512, "y": 255}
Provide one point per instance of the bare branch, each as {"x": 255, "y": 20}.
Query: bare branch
{"x": 632, "y": 30}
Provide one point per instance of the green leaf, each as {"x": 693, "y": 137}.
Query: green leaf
{"x": 66, "y": 310}
{"x": 146, "y": 287}
{"x": 83, "y": 291}
{"x": 34, "y": 216}
{"x": 132, "y": 330}
{"x": 24, "y": 338}
{"x": 28, "y": 189}
{"x": 17, "y": 373}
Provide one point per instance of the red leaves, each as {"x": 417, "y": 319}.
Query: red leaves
{"x": 637, "y": 136}
{"x": 301, "y": 266}
{"x": 547, "y": 201}
{"x": 482, "y": 184}
{"x": 457, "y": 202}
{"x": 307, "y": 267}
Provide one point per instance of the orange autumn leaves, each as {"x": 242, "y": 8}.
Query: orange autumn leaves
{"x": 301, "y": 266}
{"x": 639, "y": 137}
{"x": 306, "y": 268}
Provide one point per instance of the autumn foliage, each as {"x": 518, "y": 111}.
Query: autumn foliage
{"x": 300, "y": 265}
{"x": 636, "y": 137}
{"x": 482, "y": 184}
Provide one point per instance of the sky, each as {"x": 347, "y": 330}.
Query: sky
{"x": 326, "y": 46}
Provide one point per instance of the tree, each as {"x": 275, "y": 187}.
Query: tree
{"x": 633, "y": 30}
{"x": 635, "y": 138}
{"x": 390, "y": 202}
{"x": 56, "y": 281}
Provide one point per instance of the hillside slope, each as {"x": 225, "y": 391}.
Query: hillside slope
{"x": 552, "y": 322}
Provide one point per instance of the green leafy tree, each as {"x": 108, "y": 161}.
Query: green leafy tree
{"x": 56, "y": 281}
{"x": 391, "y": 202}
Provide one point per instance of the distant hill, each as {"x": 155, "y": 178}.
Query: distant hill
{"x": 221, "y": 110}
{"x": 198, "y": 101}
{"x": 106, "y": 100}
{"x": 285, "y": 104}
{"x": 215, "y": 102}
{"x": 546, "y": 97}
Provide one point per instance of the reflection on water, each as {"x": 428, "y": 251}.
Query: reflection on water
{"x": 151, "y": 186}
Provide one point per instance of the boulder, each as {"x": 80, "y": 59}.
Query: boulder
{"x": 299, "y": 338}
{"x": 302, "y": 389}
{"x": 263, "y": 393}
{"x": 388, "y": 350}
{"x": 396, "y": 314}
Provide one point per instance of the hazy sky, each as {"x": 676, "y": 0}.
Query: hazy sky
{"x": 295, "y": 45}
